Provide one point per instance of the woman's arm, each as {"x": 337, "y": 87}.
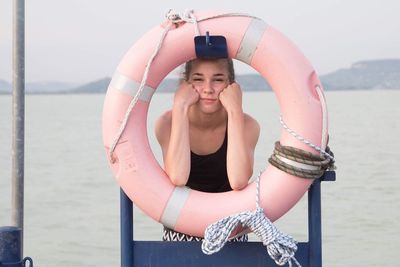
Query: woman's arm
{"x": 243, "y": 133}
{"x": 172, "y": 132}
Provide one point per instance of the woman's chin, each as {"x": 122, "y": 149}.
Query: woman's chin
{"x": 210, "y": 109}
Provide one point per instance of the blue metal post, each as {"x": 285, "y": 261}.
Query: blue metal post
{"x": 314, "y": 224}
{"x": 18, "y": 132}
{"x": 11, "y": 237}
{"x": 314, "y": 219}
{"x": 10, "y": 246}
{"x": 126, "y": 230}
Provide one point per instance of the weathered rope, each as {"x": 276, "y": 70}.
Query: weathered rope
{"x": 280, "y": 247}
{"x": 310, "y": 165}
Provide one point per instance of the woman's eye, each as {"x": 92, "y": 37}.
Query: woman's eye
{"x": 197, "y": 79}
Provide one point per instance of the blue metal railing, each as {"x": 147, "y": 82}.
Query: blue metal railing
{"x": 166, "y": 254}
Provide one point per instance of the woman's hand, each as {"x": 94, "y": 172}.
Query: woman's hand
{"x": 186, "y": 95}
{"x": 231, "y": 97}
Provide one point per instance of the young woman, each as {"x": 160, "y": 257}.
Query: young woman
{"x": 207, "y": 141}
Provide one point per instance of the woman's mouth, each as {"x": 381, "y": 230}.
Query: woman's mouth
{"x": 208, "y": 100}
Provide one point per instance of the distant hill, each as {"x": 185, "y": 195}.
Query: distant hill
{"x": 99, "y": 86}
{"x": 45, "y": 87}
{"x": 371, "y": 74}
{"x": 254, "y": 82}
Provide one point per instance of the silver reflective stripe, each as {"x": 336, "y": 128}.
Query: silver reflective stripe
{"x": 130, "y": 87}
{"x": 250, "y": 40}
{"x": 298, "y": 164}
{"x": 174, "y": 206}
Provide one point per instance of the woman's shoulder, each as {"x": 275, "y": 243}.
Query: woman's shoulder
{"x": 249, "y": 121}
{"x": 163, "y": 124}
{"x": 165, "y": 118}
{"x": 252, "y": 127}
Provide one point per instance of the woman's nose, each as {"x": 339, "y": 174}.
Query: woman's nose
{"x": 208, "y": 88}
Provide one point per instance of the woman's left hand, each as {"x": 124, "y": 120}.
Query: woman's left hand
{"x": 231, "y": 97}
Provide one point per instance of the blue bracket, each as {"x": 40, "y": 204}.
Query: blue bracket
{"x": 210, "y": 46}
{"x": 234, "y": 254}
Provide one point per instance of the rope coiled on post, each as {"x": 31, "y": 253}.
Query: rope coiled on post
{"x": 280, "y": 247}
{"x": 301, "y": 163}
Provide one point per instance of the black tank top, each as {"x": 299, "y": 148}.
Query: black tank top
{"x": 208, "y": 172}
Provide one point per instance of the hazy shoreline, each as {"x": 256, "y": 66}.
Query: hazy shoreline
{"x": 369, "y": 75}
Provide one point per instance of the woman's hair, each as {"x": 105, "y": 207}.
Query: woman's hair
{"x": 189, "y": 66}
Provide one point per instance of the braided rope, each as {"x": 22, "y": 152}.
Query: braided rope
{"x": 311, "y": 166}
{"x": 173, "y": 18}
{"x": 280, "y": 247}
{"x": 138, "y": 93}
{"x": 187, "y": 16}
{"x": 283, "y": 166}
{"x": 305, "y": 141}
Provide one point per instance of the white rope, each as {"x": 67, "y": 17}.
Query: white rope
{"x": 305, "y": 141}
{"x": 186, "y": 16}
{"x": 229, "y": 14}
{"x": 138, "y": 93}
{"x": 281, "y": 247}
{"x": 173, "y": 17}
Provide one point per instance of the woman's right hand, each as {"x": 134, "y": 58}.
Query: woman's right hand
{"x": 186, "y": 95}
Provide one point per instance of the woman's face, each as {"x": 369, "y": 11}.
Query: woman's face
{"x": 209, "y": 78}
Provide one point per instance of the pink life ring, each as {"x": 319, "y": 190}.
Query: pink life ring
{"x": 250, "y": 40}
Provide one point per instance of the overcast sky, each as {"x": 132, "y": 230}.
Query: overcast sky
{"x": 83, "y": 40}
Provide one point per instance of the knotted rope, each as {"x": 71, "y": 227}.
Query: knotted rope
{"x": 280, "y": 247}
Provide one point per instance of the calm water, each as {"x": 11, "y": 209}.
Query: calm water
{"x": 72, "y": 199}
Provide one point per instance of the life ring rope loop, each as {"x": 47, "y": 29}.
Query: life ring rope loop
{"x": 137, "y": 95}
{"x": 147, "y": 184}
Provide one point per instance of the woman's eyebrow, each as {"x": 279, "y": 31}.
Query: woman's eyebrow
{"x": 198, "y": 74}
{"x": 214, "y": 75}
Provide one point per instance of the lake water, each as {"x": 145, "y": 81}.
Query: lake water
{"x": 72, "y": 199}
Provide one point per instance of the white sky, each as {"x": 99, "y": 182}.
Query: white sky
{"x": 83, "y": 40}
